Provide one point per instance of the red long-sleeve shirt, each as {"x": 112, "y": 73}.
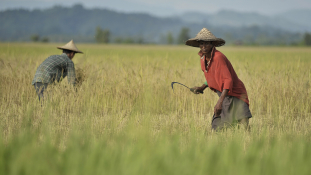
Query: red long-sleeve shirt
{"x": 220, "y": 75}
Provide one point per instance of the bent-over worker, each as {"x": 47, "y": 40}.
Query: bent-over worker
{"x": 233, "y": 104}
{"x": 56, "y": 67}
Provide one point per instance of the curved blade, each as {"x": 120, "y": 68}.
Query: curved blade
{"x": 178, "y": 83}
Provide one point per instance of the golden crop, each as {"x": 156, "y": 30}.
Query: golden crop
{"x": 124, "y": 103}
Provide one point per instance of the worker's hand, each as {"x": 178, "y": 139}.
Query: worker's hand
{"x": 218, "y": 108}
{"x": 197, "y": 90}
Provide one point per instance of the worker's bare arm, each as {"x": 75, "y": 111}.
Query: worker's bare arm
{"x": 218, "y": 106}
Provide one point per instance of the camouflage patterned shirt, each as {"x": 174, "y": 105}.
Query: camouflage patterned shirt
{"x": 55, "y": 67}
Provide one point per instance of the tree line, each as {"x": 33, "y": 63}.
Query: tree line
{"x": 104, "y": 36}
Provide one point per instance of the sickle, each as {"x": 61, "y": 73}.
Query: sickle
{"x": 178, "y": 83}
{"x": 192, "y": 90}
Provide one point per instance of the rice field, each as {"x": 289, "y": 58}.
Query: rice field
{"x": 124, "y": 118}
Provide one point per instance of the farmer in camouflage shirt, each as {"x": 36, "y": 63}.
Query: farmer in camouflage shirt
{"x": 56, "y": 67}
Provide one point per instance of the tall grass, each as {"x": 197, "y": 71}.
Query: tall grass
{"x": 125, "y": 119}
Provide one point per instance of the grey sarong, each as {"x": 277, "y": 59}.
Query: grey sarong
{"x": 233, "y": 110}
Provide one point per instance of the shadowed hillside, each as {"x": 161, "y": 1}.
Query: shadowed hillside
{"x": 60, "y": 24}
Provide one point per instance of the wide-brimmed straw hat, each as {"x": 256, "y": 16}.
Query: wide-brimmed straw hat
{"x": 70, "y": 46}
{"x": 205, "y": 35}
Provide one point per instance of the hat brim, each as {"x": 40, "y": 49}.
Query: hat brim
{"x": 76, "y": 51}
{"x": 194, "y": 42}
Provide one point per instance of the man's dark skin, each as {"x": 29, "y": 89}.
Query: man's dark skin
{"x": 71, "y": 55}
{"x": 206, "y": 49}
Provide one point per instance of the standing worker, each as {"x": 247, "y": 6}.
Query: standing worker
{"x": 233, "y": 104}
{"x": 56, "y": 67}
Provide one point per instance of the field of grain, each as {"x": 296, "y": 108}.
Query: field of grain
{"x": 124, "y": 117}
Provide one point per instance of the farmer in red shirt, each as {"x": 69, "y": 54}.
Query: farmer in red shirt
{"x": 233, "y": 104}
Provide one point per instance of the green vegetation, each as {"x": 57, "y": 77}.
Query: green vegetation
{"x": 307, "y": 39}
{"x": 102, "y": 36}
{"x": 169, "y": 38}
{"x": 36, "y": 38}
{"x": 183, "y": 35}
{"x": 125, "y": 118}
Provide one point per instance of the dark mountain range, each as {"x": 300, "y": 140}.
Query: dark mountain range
{"x": 60, "y": 24}
{"x": 17, "y": 24}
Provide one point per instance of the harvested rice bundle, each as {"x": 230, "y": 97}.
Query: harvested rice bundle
{"x": 80, "y": 76}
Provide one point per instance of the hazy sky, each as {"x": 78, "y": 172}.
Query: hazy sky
{"x": 169, "y": 7}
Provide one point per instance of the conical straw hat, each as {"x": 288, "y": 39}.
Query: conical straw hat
{"x": 70, "y": 46}
{"x": 205, "y": 35}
